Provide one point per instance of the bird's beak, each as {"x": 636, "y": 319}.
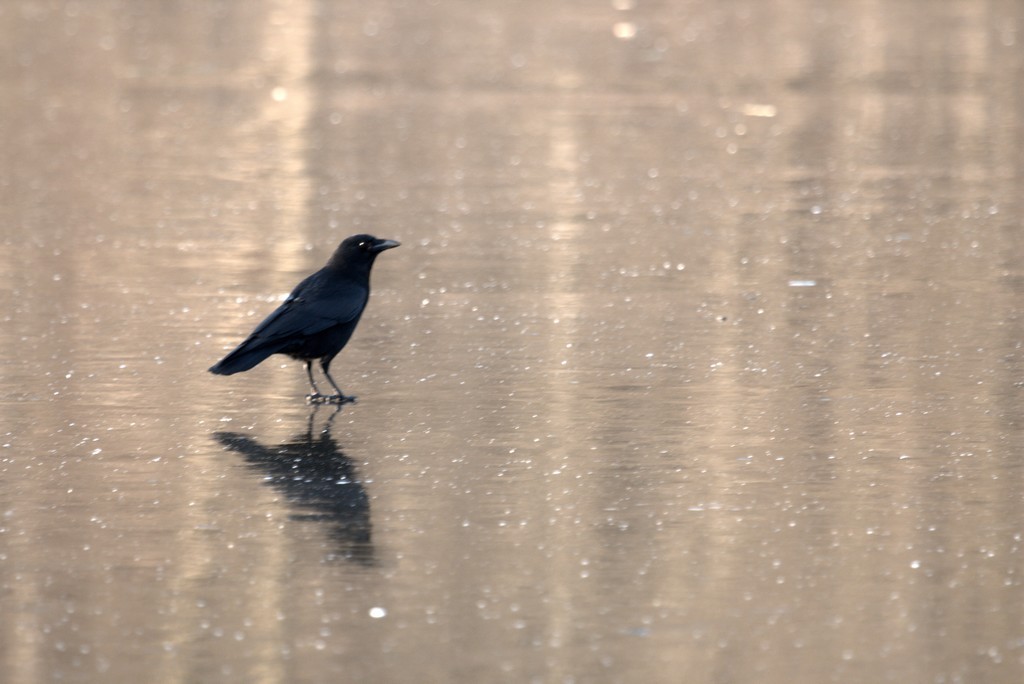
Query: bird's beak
{"x": 381, "y": 245}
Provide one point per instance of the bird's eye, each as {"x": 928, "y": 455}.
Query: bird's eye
{"x": 362, "y": 246}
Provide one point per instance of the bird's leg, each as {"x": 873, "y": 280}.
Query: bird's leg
{"x": 330, "y": 419}
{"x": 339, "y": 397}
{"x": 314, "y": 397}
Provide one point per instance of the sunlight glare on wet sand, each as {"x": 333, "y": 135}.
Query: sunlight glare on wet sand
{"x": 701, "y": 355}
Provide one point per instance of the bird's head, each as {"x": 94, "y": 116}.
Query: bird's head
{"x": 360, "y": 249}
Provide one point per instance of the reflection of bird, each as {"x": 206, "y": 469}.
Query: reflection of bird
{"x": 318, "y": 317}
{"x": 316, "y": 478}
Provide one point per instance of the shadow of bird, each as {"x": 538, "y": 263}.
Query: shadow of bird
{"x": 320, "y": 483}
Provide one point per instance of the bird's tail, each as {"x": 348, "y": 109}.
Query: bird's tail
{"x": 244, "y": 357}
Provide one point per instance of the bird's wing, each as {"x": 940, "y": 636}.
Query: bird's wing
{"x": 308, "y": 311}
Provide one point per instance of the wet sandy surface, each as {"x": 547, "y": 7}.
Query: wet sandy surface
{"x": 701, "y": 356}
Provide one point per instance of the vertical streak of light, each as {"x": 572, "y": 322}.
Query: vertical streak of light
{"x": 288, "y": 107}
{"x": 562, "y": 255}
{"x": 280, "y": 134}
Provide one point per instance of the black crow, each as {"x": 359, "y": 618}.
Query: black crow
{"x": 318, "y": 317}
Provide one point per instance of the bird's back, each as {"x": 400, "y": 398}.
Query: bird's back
{"x": 316, "y": 320}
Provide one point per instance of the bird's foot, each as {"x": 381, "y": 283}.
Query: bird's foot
{"x": 317, "y": 398}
